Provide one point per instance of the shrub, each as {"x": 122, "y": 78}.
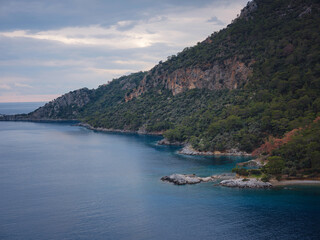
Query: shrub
{"x": 278, "y": 177}
{"x": 275, "y": 165}
{"x": 265, "y": 178}
{"x": 241, "y": 171}
{"x": 255, "y": 172}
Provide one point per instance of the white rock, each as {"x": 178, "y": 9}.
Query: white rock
{"x": 249, "y": 183}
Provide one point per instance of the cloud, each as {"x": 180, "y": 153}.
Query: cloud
{"x": 22, "y": 85}
{"x": 216, "y": 20}
{"x": 111, "y": 71}
{"x": 53, "y": 47}
{"x": 16, "y": 97}
{"x": 5, "y": 86}
{"x": 171, "y": 29}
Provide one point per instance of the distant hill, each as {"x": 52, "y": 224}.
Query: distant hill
{"x": 257, "y": 78}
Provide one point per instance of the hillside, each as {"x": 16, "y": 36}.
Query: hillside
{"x": 257, "y": 78}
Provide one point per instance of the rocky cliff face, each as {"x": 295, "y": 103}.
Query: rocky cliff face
{"x": 68, "y": 104}
{"x": 229, "y": 74}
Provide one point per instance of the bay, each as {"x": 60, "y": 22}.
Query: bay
{"x": 59, "y": 181}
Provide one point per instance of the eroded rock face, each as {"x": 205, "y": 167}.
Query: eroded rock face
{"x": 230, "y": 74}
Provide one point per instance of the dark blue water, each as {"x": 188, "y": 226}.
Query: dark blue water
{"x": 59, "y": 181}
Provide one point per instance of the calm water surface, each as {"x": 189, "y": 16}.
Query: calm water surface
{"x": 59, "y": 181}
{"x": 19, "y": 108}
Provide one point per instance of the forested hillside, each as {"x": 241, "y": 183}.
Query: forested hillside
{"x": 258, "y": 77}
{"x": 278, "y": 41}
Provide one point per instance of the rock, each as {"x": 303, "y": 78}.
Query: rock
{"x": 167, "y": 142}
{"x": 189, "y": 150}
{"x": 69, "y": 104}
{"x": 182, "y": 179}
{"x": 65, "y": 107}
{"x": 251, "y": 163}
{"x": 229, "y": 74}
{"x": 247, "y": 11}
{"x": 248, "y": 183}
{"x": 224, "y": 176}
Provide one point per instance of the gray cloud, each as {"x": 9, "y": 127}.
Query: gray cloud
{"x": 216, "y": 21}
{"x": 52, "y": 47}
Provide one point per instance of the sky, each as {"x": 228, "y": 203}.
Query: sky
{"x": 51, "y": 47}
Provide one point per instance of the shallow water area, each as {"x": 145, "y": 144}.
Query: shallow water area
{"x": 59, "y": 181}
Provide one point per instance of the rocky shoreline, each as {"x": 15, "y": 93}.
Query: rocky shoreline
{"x": 228, "y": 180}
{"x": 245, "y": 183}
{"x": 168, "y": 143}
{"x": 183, "y": 179}
{"x": 252, "y": 163}
{"x": 100, "y": 129}
{"x": 189, "y": 150}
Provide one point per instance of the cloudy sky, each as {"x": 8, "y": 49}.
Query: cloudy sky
{"x": 50, "y": 47}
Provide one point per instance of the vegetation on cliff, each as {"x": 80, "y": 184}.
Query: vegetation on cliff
{"x": 258, "y": 78}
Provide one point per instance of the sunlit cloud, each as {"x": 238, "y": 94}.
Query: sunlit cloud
{"x": 44, "y": 59}
{"x": 28, "y": 98}
{"x": 5, "y": 86}
{"x": 22, "y": 85}
{"x": 111, "y": 71}
{"x": 171, "y": 29}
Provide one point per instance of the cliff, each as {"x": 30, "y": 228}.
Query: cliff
{"x": 257, "y": 78}
{"x": 231, "y": 73}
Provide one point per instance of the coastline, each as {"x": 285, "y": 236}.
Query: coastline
{"x": 100, "y": 129}
{"x": 189, "y": 150}
{"x": 185, "y": 150}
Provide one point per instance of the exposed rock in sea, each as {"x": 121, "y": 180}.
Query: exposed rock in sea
{"x": 188, "y": 150}
{"x": 182, "y": 179}
{"x": 245, "y": 183}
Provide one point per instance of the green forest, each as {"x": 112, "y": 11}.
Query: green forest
{"x": 283, "y": 92}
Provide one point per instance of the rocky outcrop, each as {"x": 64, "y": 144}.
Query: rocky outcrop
{"x": 228, "y": 180}
{"x": 67, "y": 105}
{"x": 182, "y": 179}
{"x": 167, "y": 142}
{"x": 252, "y": 163}
{"x": 247, "y": 11}
{"x": 188, "y": 150}
{"x": 230, "y": 74}
{"x": 245, "y": 183}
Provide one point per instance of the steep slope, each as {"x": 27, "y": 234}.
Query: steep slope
{"x": 258, "y": 77}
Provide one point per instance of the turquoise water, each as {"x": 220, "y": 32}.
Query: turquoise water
{"x": 59, "y": 181}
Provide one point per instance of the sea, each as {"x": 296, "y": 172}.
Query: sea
{"x": 61, "y": 181}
